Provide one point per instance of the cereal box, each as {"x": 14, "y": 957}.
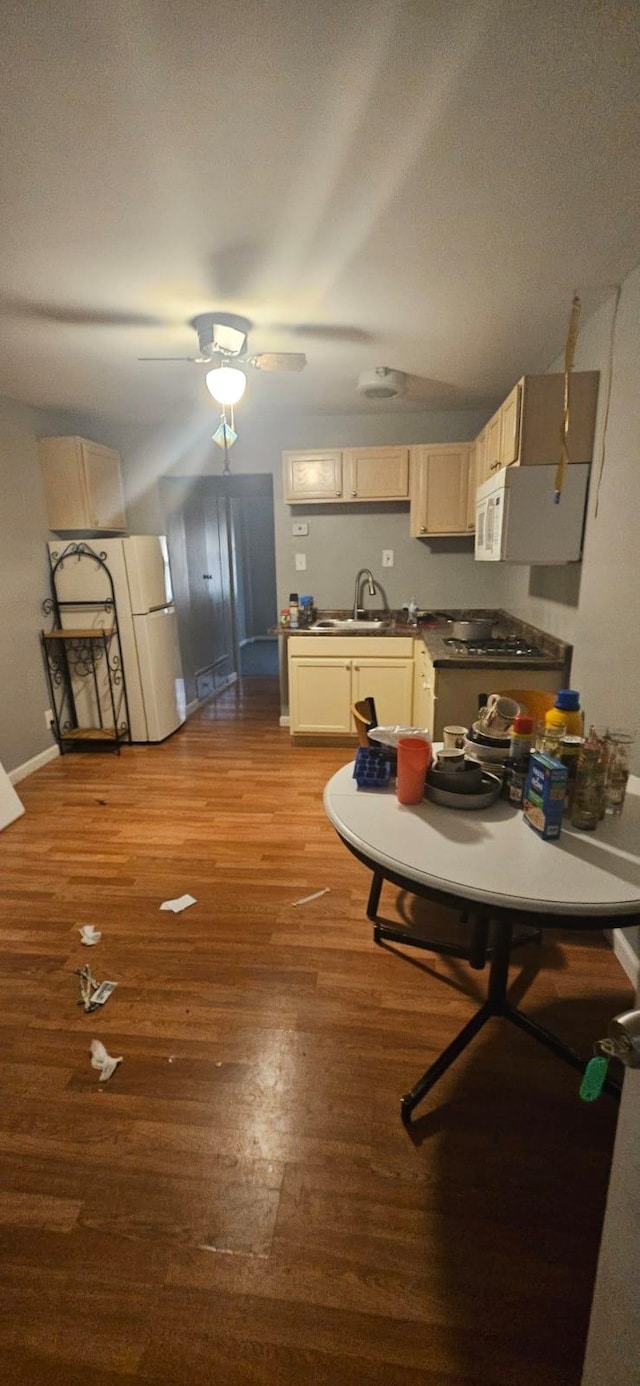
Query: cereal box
{"x": 544, "y": 795}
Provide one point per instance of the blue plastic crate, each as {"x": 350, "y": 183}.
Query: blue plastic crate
{"x": 372, "y": 768}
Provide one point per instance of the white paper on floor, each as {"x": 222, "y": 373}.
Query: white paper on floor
{"x": 306, "y": 899}
{"x": 182, "y": 903}
{"x": 89, "y": 935}
{"x": 11, "y": 807}
{"x": 103, "y": 1061}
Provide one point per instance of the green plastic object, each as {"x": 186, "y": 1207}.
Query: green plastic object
{"x": 593, "y": 1079}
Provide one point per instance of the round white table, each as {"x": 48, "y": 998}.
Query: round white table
{"x": 490, "y": 861}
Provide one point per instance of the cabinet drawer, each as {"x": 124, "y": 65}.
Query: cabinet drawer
{"x": 351, "y": 646}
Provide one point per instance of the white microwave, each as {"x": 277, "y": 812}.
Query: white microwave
{"x": 517, "y": 520}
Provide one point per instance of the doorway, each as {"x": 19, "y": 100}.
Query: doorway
{"x": 220, "y": 534}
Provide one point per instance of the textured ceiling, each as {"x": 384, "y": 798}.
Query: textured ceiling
{"x": 419, "y": 185}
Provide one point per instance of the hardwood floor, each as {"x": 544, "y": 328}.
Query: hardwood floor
{"x": 240, "y": 1203}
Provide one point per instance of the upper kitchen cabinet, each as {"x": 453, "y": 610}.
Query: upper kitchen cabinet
{"x": 376, "y": 473}
{"x": 439, "y": 490}
{"x": 312, "y": 476}
{"x": 352, "y": 474}
{"x": 83, "y": 485}
{"x": 525, "y": 431}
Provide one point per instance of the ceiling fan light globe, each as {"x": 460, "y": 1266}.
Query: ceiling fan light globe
{"x": 227, "y": 384}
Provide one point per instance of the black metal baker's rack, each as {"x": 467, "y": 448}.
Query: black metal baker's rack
{"x": 83, "y": 662}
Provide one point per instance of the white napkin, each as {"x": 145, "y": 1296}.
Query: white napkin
{"x": 182, "y": 903}
{"x": 89, "y": 935}
{"x": 103, "y": 1061}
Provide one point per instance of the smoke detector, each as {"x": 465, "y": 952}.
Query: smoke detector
{"x": 381, "y": 383}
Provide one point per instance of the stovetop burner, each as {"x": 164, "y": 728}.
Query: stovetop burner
{"x": 507, "y": 645}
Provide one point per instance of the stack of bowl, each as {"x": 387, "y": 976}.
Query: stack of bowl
{"x": 463, "y": 785}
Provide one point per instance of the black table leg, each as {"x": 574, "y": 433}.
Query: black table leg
{"x": 495, "y": 1005}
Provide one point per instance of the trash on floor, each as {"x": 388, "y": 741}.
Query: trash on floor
{"x": 307, "y": 898}
{"x": 92, "y": 994}
{"x": 182, "y": 903}
{"x": 89, "y": 935}
{"x": 103, "y": 1061}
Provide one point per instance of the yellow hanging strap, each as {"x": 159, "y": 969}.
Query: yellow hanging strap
{"x": 569, "y": 354}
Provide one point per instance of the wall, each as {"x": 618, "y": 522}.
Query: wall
{"x": 341, "y": 538}
{"x": 594, "y": 604}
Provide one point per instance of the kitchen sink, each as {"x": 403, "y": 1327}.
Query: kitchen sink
{"x": 347, "y": 623}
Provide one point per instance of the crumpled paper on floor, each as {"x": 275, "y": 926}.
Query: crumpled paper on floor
{"x": 89, "y": 935}
{"x": 103, "y": 1061}
{"x": 182, "y": 903}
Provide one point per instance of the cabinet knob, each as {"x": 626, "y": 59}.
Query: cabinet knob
{"x": 493, "y": 466}
{"x": 338, "y": 493}
{"x": 423, "y": 529}
{"x": 354, "y": 493}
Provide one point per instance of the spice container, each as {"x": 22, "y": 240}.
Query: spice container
{"x": 521, "y": 739}
{"x": 589, "y": 796}
{"x": 514, "y": 780}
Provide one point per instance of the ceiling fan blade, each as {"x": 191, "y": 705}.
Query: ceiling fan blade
{"x": 77, "y": 316}
{"x": 326, "y": 332}
{"x": 278, "y": 361}
{"x": 199, "y": 360}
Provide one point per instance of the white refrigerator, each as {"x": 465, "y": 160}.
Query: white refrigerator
{"x": 147, "y": 623}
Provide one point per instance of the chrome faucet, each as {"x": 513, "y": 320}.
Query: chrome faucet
{"x": 363, "y": 573}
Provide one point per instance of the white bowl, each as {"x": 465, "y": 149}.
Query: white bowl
{"x": 491, "y": 786}
{"x": 489, "y": 735}
{"x": 489, "y": 753}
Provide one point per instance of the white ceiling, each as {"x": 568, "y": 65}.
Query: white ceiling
{"x": 420, "y": 185}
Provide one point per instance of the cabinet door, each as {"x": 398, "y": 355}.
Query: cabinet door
{"x": 82, "y": 483}
{"x": 390, "y": 683}
{"x": 510, "y": 427}
{"x": 320, "y": 695}
{"x": 424, "y": 689}
{"x": 439, "y": 482}
{"x": 376, "y": 474}
{"x": 492, "y": 431}
{"x": 105, "y": 500}
{"x": 312, "y": 476}
{"x": 472, "y": 486}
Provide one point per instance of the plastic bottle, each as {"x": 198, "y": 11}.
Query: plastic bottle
{"x": 521, "y": 739}
{"x": 566, "y": 712}
{"x": 293, "y": 610}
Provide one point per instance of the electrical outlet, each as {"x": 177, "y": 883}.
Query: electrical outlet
{"x": 48, "y": 718}
{"x": 301, "y": 562}
{"x": 387, "y": 558}
{"x": 300, "y": 527}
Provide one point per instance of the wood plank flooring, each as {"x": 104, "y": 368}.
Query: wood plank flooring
{"x": 240, "y": 1203}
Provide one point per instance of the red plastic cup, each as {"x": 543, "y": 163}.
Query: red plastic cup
{"x": 414, "y": 756}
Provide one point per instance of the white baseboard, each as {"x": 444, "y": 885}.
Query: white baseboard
{"x": 36, "y": 763}
{"x": 192, "y": 706}
{"x": 629, "y": 961}
{"x": 285, "y": 721}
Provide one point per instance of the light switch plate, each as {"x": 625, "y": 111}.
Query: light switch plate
{"x": 301, "y": 562}
{"x": 387, "y": 558}
{"x": 300, "y": 527}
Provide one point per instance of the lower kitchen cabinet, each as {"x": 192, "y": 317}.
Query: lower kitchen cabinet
{"x": 424, "y": 694}
{"x": 454, "y": 692}
{"x": 323, "y": 683}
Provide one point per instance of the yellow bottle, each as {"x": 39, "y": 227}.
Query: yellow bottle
{"x": 566, "y": 712}
{"x": 567, "y": 717}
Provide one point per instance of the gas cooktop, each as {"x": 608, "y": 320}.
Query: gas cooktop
{"x": 509, "y": 646}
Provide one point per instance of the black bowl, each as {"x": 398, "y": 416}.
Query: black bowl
{"x": 465, "y": 781}
{"x": 500, "y": 742}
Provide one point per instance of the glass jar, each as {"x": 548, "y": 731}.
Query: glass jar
{"x": 615, "y": 788}
{"x": 588, "y": 797}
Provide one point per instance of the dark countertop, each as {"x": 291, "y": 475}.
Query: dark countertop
{"x": 434, "y": 631}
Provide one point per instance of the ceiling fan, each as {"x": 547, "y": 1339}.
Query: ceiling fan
{"x": 223, "y": 337}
